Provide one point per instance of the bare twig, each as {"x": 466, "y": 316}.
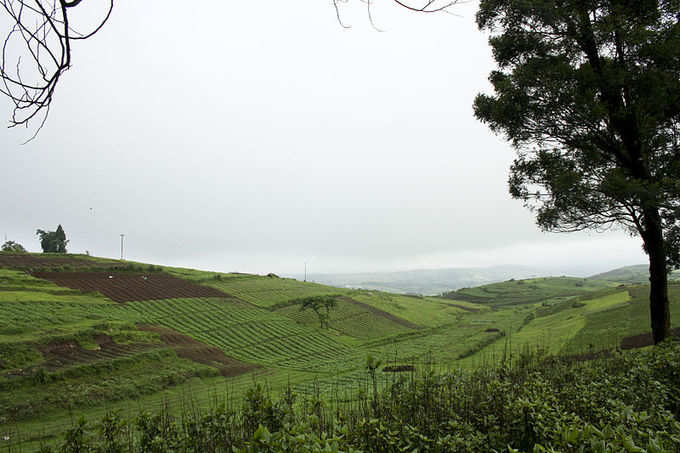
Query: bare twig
{"x": 429, "y": 6}
{"x": 41, "y": 30}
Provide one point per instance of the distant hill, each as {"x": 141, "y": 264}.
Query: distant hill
{"x": 548, "y": 290}
{"x": 638, "y": 273}
{"x": 426, "y": 281}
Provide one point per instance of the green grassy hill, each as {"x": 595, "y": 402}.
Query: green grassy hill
{"x": 82, "y": 335}
{"x": 518, "y": 292}
{"x": 637, "y": 274}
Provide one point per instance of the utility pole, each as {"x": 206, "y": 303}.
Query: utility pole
{"x": 121, "y": 246}
{"x": 305, "y": 270}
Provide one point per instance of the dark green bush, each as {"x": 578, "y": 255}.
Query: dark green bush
{"x": 627, "y": 402}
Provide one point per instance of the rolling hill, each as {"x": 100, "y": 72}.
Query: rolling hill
{"x": 84, "y": 335}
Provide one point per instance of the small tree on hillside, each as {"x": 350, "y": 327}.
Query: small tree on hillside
{"x": 321, "y": 305}
{"x": 13, "y": 247}
{"x": 588, "y": 92}
{"x": 53, "y": 241}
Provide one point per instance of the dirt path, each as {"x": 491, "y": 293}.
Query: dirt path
{"x": 189, "y": 348}
{"x": 643, "y": 339}
{"x": 381, "y": 313}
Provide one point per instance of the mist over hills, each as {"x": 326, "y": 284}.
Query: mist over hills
{"x": 427, "y": 281}
{"x": 437, "y": 281}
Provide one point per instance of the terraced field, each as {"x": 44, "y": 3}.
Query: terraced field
{"x": 269, "y": 292}
{"x": 353, "y": 319}
{"x": 92, "y": 343}
{"x": 125, "y": 287}
{"x": 533, "y": 290}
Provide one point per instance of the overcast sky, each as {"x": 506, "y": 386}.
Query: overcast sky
{"x": 256, "y": 136}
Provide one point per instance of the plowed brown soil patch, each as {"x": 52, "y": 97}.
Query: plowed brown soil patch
{"x": 643, "y": 339}
{"x": 21, "y": 261}
{"x": 131, "y": 286}
{"x": 382, "y": 314}
{"x": 192, "y": 349}
{"x": 67, "y": 353}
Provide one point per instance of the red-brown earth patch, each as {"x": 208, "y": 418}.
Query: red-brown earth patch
{"x": 25, "y": 261}
{"x": 59, "y": 354}
{"x": 131, "y": 286}
{"x": 382, "y": 314}
{"x": 196, "y": 351}
{"x": 643, "y": 339}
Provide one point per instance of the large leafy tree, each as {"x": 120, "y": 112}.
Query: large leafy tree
{"x": 53, "y": 241}
{"x": 588, "y": 93}
{"x": 12, "y": 247}
{"x": 317, "y": 304}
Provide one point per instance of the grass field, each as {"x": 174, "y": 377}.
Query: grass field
{"x": 512, "y": 292}
{"x": 66, "y": 352}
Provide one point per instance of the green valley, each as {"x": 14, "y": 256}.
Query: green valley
{"x": 85, "y": 337}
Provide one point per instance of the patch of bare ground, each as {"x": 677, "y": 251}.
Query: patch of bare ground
{"x": 25, "y": 261}
{"x": 398, "y": 368}
{"x": 463, "y": 307}
{"x": 59, "y": 354}
{"x": 643, "y": 339}
{"x": 131, "y": 286}
{"x": 189, "y": 348}
{"x": 382, "y": 314}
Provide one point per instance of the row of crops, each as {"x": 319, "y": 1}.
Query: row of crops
{"x": 269, "y": 291}
{"x": 246, "y": 333}
{"x": 351, "y": 319}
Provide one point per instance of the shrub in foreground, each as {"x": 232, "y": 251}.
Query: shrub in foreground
{"x": 623, "y": 403}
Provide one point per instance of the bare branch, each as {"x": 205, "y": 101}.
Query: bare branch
{"x": 430, "y": 6}
{"x": 40, "y": 29}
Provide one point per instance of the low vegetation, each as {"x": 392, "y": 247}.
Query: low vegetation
{"x": 76, "y": 343}
{"x": 530, "y": 403}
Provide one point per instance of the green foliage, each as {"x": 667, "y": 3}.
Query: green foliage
{"x": 317, "y": 304}
{"x": 324, "y": 370}
{"x": 587, "y": 93}
{"x": 75, "y": 438}
{"x": 12, "y": 247}
{"x": 625, "y": 403}
{"x": 349, "y": 318}
{"x": 53, "y": 241}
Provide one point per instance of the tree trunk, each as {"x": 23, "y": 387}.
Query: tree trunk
{"x": 658, "y": 278}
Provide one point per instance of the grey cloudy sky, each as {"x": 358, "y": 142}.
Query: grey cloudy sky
{"x": 255, "y": 136}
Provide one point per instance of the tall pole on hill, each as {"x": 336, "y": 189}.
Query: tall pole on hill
{"x": 305, "y": 270}
{"x": 122, "y": 236}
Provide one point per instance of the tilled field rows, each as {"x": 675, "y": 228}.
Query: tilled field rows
{"x": 351, "y": 319}
{"x": 266, "y": 292}
{"x": 247, "y": 333}
{"x": 131, "y": 286}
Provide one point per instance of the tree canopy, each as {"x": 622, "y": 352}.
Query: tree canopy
{"x": 12, "y": 247}
{"x": 316, "y": 304}
{"x": 53, "y": 241}
{"x": 588, "y": 93}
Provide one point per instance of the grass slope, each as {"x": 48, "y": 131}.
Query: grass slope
{"x": 65, "y": 352}
{"x": 513, "y": 292}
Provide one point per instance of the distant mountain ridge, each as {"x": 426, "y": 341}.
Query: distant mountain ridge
{"x": 426, "y": 281}
{"x": 638, "y": 273}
